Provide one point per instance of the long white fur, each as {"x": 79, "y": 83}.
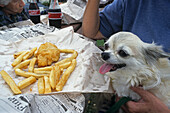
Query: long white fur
{"x": 141, "y": 69}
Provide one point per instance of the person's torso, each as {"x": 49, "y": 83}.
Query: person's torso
{"x": 149, "y": 19}
{"x": 10, "y": 19}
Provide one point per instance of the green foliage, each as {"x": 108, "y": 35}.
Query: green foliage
{"x": 100, "y": 43}
{"x": 46, "y": 3}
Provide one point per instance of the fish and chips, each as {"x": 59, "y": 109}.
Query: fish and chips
{"x": 42, "y": 64}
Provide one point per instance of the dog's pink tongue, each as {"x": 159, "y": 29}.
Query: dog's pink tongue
{"x": 105, "y": 68}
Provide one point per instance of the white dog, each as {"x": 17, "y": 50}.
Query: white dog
{"x": 131, "y": 62}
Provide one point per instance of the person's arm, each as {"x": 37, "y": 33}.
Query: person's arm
{"x": 91, "y": 20}
{"x": 148, "y": 103}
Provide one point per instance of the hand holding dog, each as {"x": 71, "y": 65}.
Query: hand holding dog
{"x": 147, "y": 104}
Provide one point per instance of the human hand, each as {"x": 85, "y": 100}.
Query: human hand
{"x": 148, "y": 103}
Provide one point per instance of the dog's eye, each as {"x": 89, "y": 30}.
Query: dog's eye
{"x": 106, "y": 46}
{"x": 123, "y": 53}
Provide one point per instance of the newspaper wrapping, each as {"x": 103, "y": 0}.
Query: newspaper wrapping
{"x": 74, "y": 8}
{"x": 60, "y": 103}
{"x": 24, "y": 31}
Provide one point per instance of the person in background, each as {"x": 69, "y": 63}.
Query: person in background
{"x": 148, "y": 19}
{"x": 12, "y": 11}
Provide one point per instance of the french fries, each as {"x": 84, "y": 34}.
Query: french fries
{"x": 48, "y": 68}
{"x": 49, "y": 77}
{"x": 67, "y": 50}
{"x": 54, "y": 76}
{"x": 74, "y": 56}
{"x": 58, "y": 73}
{"x": 42, "y": 72}
{"x": 47, "y": 85}
{"x": 19, "y": 59}
{"x": 31, "y": 66}
{"x": 10, "y": 82}
{"x": 22, "y": 64}
{"x": 35, "y": 53}
{"x": 65, "y": 65}
{"x": 41, "y": 85}
{"x": 30, "y": 53}
{"x": 61, "y": 70}
{"x": 28, "y": 74}
{"x": 17, "y": 54}
{"x": 66, "y": 75}
{"x": 26, "y": 82}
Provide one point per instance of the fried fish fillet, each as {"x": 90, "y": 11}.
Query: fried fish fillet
{"x": 47, "y": 53}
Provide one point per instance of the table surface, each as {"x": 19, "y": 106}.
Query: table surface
{"x": 94, "y": 101}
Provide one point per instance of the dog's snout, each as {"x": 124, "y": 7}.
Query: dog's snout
{"x": 105, "y": 56}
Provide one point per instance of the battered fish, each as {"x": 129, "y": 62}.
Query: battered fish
{"x": 47, "y": 53}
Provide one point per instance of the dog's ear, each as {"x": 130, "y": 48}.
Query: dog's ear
{"x": 153, "y": 52}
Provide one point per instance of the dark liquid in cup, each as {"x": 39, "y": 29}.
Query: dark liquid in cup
{"x": 35, "y": 13}
{"x": 56, "y": 22}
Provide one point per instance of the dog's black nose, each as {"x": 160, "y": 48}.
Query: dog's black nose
{"x": 105, "y": 56}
